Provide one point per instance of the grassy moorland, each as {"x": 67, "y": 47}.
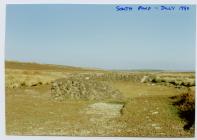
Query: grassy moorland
{"x": 152, "y": 103}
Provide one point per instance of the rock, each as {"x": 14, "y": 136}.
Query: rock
{"x": 87, "y": 78}
{"x": 189, "y": 82}
{"x": 155, "y": 113}
{"x": 157, "y": 127}
{"x": 108, "y": 110}
{"x": 145, "y": 79}
{"x": 79, "y": 87}
{"x": 169, "y": 81}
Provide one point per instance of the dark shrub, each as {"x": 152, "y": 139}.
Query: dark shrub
{"x": 186, "y": 106}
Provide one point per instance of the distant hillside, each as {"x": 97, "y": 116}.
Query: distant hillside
{"x": 37, "y": 66}
{"x": 154, "y": 70}
{"x": 140, "y": 70}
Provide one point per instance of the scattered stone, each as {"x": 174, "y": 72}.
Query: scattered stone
{"x": 153, "y": 125}
{"x": 155, "y": 113}
{"x": 87, "y": 78}
{"x": 157, "y": 127}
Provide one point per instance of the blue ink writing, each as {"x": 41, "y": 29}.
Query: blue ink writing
{"x": 183, "y": 8}
{"x": 144, "y": 8}
{"x": 168, "y": 8}
{"x": 123, "y": 8}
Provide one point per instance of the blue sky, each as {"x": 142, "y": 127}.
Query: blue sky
{"x": 99, "y": 36}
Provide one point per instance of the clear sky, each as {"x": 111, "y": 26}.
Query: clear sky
{"x": 99, "y": 36}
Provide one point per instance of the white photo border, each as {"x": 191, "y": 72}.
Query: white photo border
{"x": 3, "y": 4}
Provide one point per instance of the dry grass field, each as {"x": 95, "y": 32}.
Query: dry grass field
{"x": 150, "y": 104}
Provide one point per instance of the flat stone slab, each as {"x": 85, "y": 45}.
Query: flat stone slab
{"x": 107, "y": 110}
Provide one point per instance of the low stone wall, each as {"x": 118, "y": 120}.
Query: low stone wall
{"x": 114, "y": 76}
{"x": 178, "y": 82}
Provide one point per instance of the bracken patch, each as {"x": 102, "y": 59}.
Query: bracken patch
{"x": 186, "y": 106}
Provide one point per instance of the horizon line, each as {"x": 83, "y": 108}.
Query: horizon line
{"x": 123, "y": 70}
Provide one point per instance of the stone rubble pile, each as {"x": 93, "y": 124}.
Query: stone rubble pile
{"x": 83, "y": 87}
